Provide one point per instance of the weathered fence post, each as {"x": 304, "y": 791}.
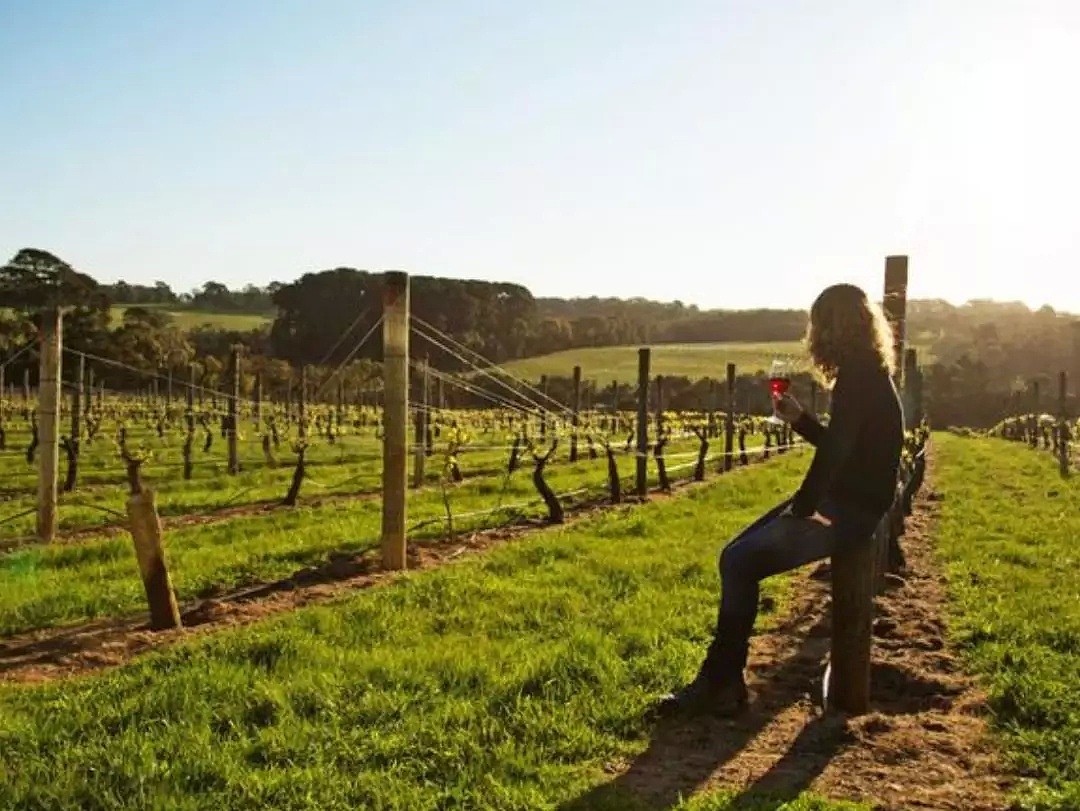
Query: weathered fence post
{"x": 149, "y": 551}
{"x": 1063, "y": 423}
{"x": 543, "y": 412}
{"x": 234, "y": 416}
{"x": 895, "y": 306}
{"x": 257, "y": 398}
{"x": 912, "y": 389}
{"x": 642, "y": 470}
{"x": 76, "y": 425}
{"x": 395, "y": 417}
{"x": 48, "y": 420}
{"x": 729, "y": 422}
{"x": 575, "y": 418}
{"x": 302, "y": 404}
{"x": 420, "y": 451}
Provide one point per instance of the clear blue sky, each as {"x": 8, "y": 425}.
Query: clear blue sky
{"x": 722, "y": 153}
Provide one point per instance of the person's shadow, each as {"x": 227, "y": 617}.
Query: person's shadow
{"x": 684, "y": 754}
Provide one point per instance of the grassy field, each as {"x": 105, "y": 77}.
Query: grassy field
{"x": 190, "y": 319}
{"x": 44, "y": 586}
{"x": 503, "y": 681}
{"x": 1008, "y": 533}
{"x": 605, "y": 364}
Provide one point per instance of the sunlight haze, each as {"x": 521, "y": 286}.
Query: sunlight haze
{"x": 727, "y": 154}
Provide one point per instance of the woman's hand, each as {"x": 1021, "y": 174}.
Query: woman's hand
{"x": 787, "y": 408}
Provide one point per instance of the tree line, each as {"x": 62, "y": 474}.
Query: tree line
{"x": 981, "y": 361}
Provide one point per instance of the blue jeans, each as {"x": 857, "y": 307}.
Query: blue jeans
{"x": 774, "y": 543}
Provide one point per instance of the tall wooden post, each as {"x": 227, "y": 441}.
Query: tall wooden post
{"x": 234, "y": 416}
{"x": 895, "y": 306}
{"x": 912, "y": 389}
{"x": 853, "y": 568}
{"x": 543, "y": 413}
{"x": 642, "y": 470}
{"x": 1063, "y": 420}
{"x": 302, "y": 402}
{"x": 26, "y": 387}
{"x": 1076, "y": 354}
{"x": 257, "y": 398}
{"x": 189, "y": 411}
{"x": 659, "y": 406}
{"x": 575, "y": 418}
{"x": 88, "y": 391}
{"x": 168, "y": 388}
{"x": 729, "y": 422}
{"x": 49, "y": 420}
{"x": 420, "y": 439}
{"x": 3, "y": 391}
{"x": 76, "y": 404}
{"x": 395, "y": 417}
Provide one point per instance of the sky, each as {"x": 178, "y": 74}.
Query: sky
{"x": 725, "y": 154}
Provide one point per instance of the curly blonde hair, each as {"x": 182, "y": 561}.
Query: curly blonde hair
{"x": 846, "y": 325}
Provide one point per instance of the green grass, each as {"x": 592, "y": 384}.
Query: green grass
{"x": 190, "y": 319}
{"x": 503, "y": 681}
{"x": 44, "y": 586}
{"x": 608, "y": 363}
{"x": 605, "y": 364}
{"x": 1009, "y": 533}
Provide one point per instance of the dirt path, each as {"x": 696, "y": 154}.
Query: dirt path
{"x": 924, "y": 746}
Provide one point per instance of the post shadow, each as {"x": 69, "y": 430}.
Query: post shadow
{"x": 683, "y": 753}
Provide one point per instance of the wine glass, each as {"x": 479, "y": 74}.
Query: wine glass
{"x": 779, "y": 382}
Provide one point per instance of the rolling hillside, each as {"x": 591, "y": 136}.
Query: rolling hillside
{"x": 605, "y": 364}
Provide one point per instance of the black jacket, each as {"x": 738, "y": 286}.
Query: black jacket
{"x": 858, "y": 454}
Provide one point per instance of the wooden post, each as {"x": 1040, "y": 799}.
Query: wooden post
{"x": 149, "y": 551}
{"x": 642, "y": 471}
{"x": 26, "y": 389}
{"x": 574, "y": 417}
{"x": 543, "y": 413}
{"x": 420, "y": 440}
{"x": 302, "y": 402}
{"x": 712, "y": 408}
{"x": 89, "y": 391}
{"x": 1063, "y": 420}
{"x": 895, "y": 306}
{"x": 912, "y": 389}
{"x": 49, "y": 420}
{"x": 729, "y": 422}
{"x": 848, "y": 684}
{"x": 76, "y": 404}
{"x": 2, "y": 392}
{"x": 189, "y": 412}
{"x": 257, "y": 398}
{"x": 395, "y": 417}
{"x": 168, "y": 388}
{"x": 234, "y": 416}
{"x": 659, "y": 406}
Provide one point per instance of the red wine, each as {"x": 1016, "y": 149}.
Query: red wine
{"x": 779, "y": 385}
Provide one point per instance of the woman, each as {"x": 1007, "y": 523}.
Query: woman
{"x": 848, "y": 488}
